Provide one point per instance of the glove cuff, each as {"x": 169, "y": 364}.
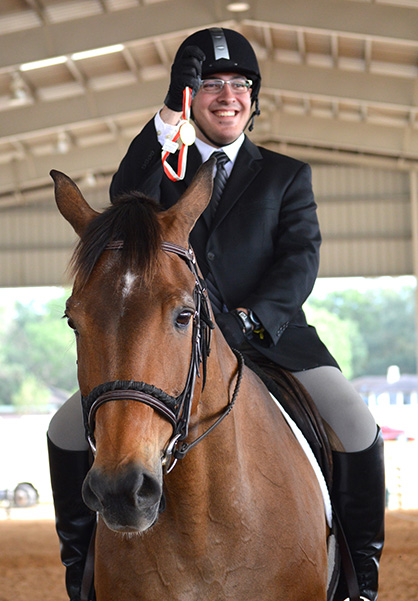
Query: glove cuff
{"x": 244, "y": 322}
{"x": 173, "y": 104}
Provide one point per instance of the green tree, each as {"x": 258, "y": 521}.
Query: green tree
{"x": 11, "y": 376}
{"x": 48, "y": 344}
{"x": 385, "y": 323}
{"x": 32, "y": 395}
{"x": 341, "y": 336}
{"x": 36, "y": 346}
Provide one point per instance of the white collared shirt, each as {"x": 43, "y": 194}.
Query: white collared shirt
{"x": 166, "y": 131}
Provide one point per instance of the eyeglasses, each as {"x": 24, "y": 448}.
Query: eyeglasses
{"x": 215, "y": 86}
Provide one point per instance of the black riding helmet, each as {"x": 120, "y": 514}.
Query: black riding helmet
{"x": 226, "y": 51}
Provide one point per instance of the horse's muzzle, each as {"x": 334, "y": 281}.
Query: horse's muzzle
{"x": 128, "y": 500}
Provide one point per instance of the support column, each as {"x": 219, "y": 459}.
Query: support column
{"x": 413, "y": 186}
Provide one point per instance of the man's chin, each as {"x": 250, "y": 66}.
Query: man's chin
{"x": 216, "y": 138}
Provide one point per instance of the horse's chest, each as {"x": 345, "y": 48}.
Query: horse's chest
{"x": 239, "y": 567}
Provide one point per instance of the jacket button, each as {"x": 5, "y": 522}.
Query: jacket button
{"x": 211, "y": 256}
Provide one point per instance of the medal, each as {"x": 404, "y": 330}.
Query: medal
{"x": 187, "y": 133}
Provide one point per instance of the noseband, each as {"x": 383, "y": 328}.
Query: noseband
{"x": 176, "y": 410}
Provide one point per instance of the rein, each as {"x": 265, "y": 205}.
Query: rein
{"x": 176, "y": 410}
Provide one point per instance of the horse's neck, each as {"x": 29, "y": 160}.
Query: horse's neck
{"x": 252, "y": 452}
{"x": 223, "y": 373}
{"x": 226, "y": 445}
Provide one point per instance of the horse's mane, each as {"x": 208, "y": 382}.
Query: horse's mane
{"x": 132, "y": 219}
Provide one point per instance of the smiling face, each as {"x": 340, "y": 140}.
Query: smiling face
{"x": 221, "y": 118}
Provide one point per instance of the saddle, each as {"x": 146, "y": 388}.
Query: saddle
{"x": 297, "y": 402}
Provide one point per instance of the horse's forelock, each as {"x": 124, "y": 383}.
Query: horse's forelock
{"x": 132, "y": 219}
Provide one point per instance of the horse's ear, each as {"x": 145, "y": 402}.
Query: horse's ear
{"x": 194, "y": 201}
{"x": 71, "y": 203}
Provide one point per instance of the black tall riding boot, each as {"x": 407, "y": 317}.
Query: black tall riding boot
{"x": 74, "y": 521}
{"x": 359, "y": 499}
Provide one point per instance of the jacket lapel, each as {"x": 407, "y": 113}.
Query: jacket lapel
{"x": 246, "y": 167}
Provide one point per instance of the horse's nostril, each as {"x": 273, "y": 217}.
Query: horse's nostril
{"x": 91, "y": 492}
{"x": 149, "y": 490}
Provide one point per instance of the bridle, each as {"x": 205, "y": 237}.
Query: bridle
{"x": 176, "y": 410}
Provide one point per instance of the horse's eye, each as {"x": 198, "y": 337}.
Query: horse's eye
{"x": 70, "y": 323}
{"x": 183, "y": 318}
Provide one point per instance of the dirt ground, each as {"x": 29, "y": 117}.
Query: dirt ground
{"x": 30, "y": 569}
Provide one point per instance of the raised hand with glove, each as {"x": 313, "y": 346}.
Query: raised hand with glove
{"x": 186, "y": 71}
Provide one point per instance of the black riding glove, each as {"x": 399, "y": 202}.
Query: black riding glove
{"x": 186, "y": 71}
{"x": 232, "y": 329}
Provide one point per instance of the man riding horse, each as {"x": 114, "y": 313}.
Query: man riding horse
{"x": 257, "y": 245}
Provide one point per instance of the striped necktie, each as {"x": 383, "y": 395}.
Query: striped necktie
{"x": 218, "y": 186}
{"x": 219, "y": 180}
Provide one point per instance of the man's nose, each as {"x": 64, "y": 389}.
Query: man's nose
{"x": 226, "y": 93}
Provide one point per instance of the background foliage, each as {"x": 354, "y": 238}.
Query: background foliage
{"x": 37, "y": 355}
{"x": 367, "y": 332}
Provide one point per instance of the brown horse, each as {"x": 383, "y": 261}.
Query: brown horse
{"x": 241, "y": 516}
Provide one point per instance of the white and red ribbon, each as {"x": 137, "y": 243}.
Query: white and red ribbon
{"x": 186, "y": 135}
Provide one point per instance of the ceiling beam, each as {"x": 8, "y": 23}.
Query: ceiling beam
{"x": 25, "y": 175}
{"x": 360, "y": 19}
{"x": 368, "y": 88}
{"x": 129, "y": 25}
{"x": 354, "y": 136}
{"x": 70, "y": 111}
